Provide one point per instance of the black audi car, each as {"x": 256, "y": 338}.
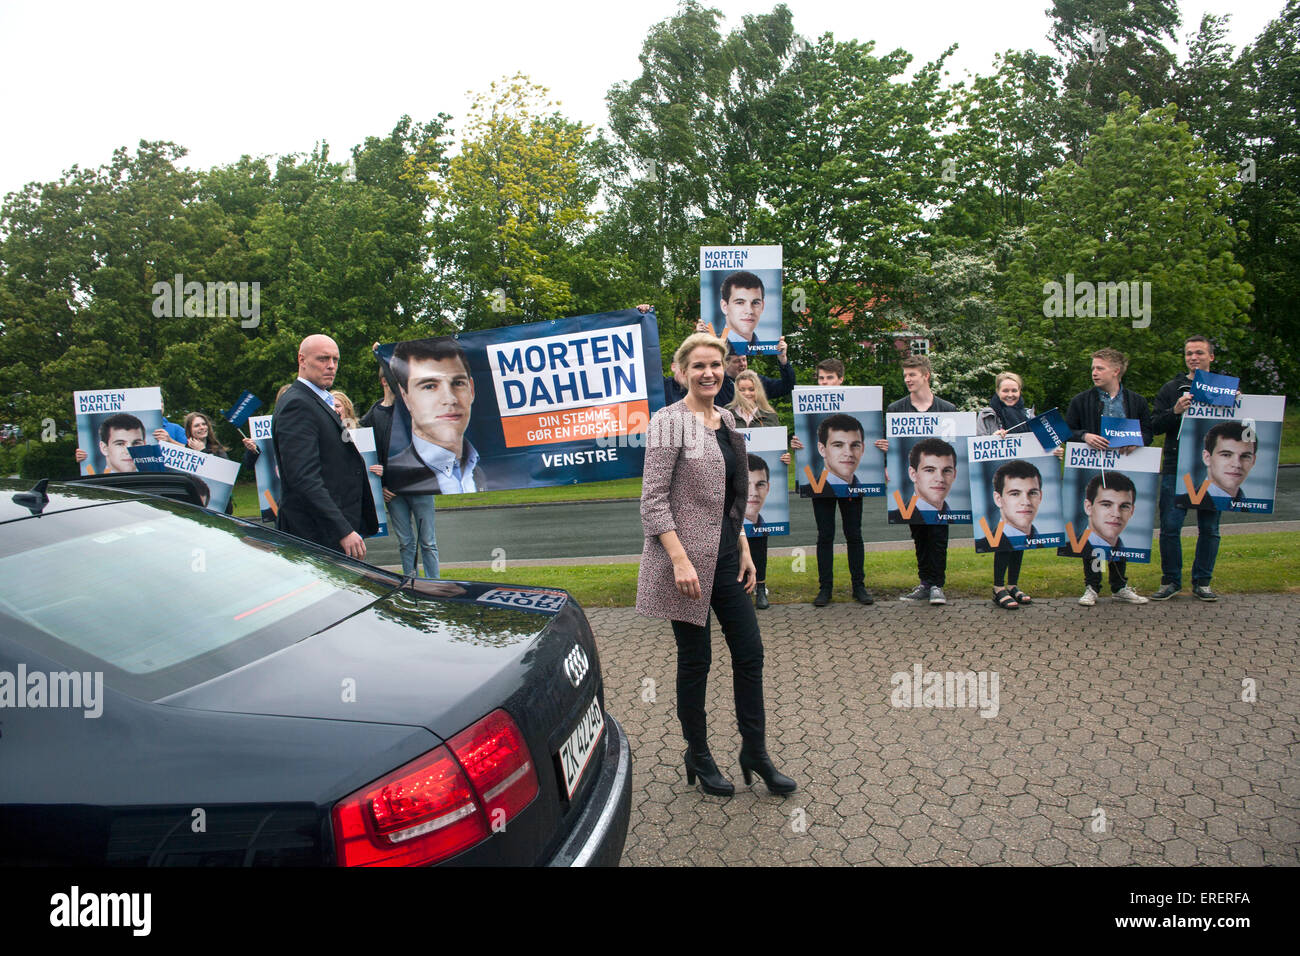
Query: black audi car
{"x": 182, "y": 688}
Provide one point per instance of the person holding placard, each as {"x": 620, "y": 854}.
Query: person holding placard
{"x": 840, "y": 444}
{"x": 696, "y": 558}
{"x": 774, "y": 387}
{"x": 929, "y": 540}
{"x": 1006, "y": 410}
{"x": 1017, "y": 494}
{"x": 1107, "y": 398}
{"x": 1173, "y": 399}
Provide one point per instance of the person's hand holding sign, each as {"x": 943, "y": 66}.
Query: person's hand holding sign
{"x": 1096, "y": 441}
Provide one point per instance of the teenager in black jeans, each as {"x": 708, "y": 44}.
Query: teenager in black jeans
{"x": 929, "y": 540}
{"x": 831, "y": 372}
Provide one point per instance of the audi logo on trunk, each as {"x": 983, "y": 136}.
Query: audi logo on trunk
{"x": 576, "y": 665}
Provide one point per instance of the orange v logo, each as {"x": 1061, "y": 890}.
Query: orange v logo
{"x": 1076, "y": 544}
{"x": 1194, "y": 495}
{"x": 905, "y": 512}
{"x": 817, "y": 483}
{"x": 992, "y": 537}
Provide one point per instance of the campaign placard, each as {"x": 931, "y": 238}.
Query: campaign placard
{"x": 740, "y": 295}
{"x": 112, "y": 420}
{"x": 1228, "y": 456}
{"x": 1111, "y": 502}
{"x": 265, "y": 468}
{"x": 1015, "y": 493}
{"x": 148, "y": 458}
{"x": 364, "y": 439}
{"x": 767, "y": 510}
{"x": 1050, "y": 428}
{"x": 525, "y": 406}
{"x": 838, "y": 426}
{"x": 1214, "y": 389}
{"x": 245, "y": 405}
{"x": 1122, "y": 432}
{"x": 216, "y": 474}
{"x": 928, "y": 458}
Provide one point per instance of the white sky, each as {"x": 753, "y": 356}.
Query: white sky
{"x": 223, "y": 79}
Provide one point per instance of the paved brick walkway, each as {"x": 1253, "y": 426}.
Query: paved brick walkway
{"x": 1130, "y": 712}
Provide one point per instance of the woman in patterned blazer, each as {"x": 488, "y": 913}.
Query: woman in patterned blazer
{"x": 693, "y": 497}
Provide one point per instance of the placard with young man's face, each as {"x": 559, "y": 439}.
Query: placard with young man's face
{"x": 523, "y": 406}
{"x": 740, "y": 295}
{"x": 838, "y": 426}
{"x": 111, "y": 421}
{"x": 927, "y": 467}
{"x": 1228, "y": 455}
{"x": 767, "y": 509}
{"x": 1110, "y": 501}
{"x": 1015, "y": 488}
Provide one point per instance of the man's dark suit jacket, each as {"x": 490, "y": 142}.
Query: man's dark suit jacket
{"x": 326, "y": 493}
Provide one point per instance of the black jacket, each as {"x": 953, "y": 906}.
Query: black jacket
{"x": 380, "y": 418}
{"x": 1165, "y": 421}
{"x": 1084, "y": 413}
{"x": 325, "y": 491}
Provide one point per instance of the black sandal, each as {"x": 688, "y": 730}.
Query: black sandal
{"x": 1003, "y": 599}
{"x": 1020, "y": 596}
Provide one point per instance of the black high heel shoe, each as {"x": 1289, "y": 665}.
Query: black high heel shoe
{"x": 759, "y": 762}
{"x": 711, "y": 780}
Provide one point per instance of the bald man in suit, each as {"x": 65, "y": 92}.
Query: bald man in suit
{"x": 326, "y": 494}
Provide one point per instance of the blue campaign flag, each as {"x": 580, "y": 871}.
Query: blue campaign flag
{"x": 1121, "y": 432}
{"x": 1215, "y": 389}
{"x": 244, "y": 406}
{"x": 1050, "y": 427}
{"x": 147, "y": 458}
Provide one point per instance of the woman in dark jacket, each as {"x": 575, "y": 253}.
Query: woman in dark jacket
{"x": 696, "y": 557}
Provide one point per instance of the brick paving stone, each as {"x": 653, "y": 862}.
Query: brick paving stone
{"x": 1133, "y": 711}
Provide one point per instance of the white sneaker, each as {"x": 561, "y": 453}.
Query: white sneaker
{"x": 1128, "y": 596}
{"x": 1089, "y": 597}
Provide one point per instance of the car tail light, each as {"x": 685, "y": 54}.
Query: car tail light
{"x": 439, "y": 804}
{"x": 499, "y": 765}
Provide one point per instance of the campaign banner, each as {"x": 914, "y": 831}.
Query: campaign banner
{"x": 525, "y": 406}
{"x": 364, "y": 439}
{"x": 767, "y": 510}
{"x": 1111, "y": 502}
{"x": 1122, "y": 432}
{"x": 1213, "y": 389}
{"x": 927, "y": 457}
{"x": 216, "y": 474}
{"x": 245, "y": 405}
{"x": 265, "y": 468}
{"x": 1050, "y": 428}
{"x": 1228, "y": 456}
{"x": 112, "y": 420}
{"x": 838, "y": 426}
{"x": 148, "y": 458}
{"x": 740, "y": 295}
{"x": 1015, "y": 493}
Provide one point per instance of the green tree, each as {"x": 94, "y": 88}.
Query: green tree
{"x": 1145, "y": 205}
{"x": 511, "y": 208}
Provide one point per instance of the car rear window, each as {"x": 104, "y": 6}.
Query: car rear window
{"x": 161, "y": 597}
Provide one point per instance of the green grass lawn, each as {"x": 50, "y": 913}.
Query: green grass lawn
{"x": 1248, "y": 563}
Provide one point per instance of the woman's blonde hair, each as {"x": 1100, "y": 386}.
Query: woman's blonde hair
{"x": 693, "y": 342}
{"x": 343, "y": 405}
{"x": 743, "y": 405}
{"x": 1003, "y": 376}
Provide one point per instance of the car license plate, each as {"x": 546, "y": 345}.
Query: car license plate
{"x": 575, "y": 753}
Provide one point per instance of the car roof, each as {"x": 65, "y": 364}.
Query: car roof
{"x": 63, "y": 497}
